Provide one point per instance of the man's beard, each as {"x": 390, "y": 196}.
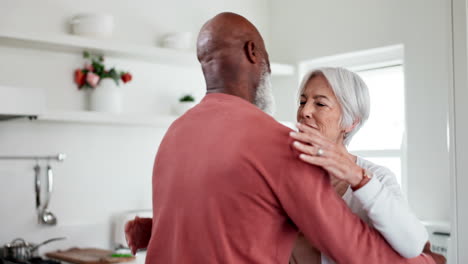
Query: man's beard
{"x": 264, "y": 96}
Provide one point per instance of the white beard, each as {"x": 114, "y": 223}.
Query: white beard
{"x": 264, "y": 97}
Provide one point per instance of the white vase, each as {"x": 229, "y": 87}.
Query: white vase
{"x": 106, "y": 97}
{"x": 182, "y": 107}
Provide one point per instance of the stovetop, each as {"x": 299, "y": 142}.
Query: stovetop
{"x": 30, "y": 261}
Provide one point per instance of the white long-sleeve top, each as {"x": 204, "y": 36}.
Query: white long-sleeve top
{"x": 381, "y": 204}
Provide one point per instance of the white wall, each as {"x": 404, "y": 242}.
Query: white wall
{"x": 108, "y": 168}
{"x": 140, "y": 21}
{"x": 304, "y": 30}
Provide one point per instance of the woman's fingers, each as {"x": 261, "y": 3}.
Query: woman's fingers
{"x": 311, "y": 149}
{"x": 306, "y": 128}
{"x": 317, "y": 150}
{"x": 311, "y": 154}
{"x": 314, "y": 160}
{"x": 326, "y": 163}
{"x": 314, "y": 150}
{"x": 307, "y": 138}
{"x": 310, "y": 131}
{"x": 311, "y": 138}
{"x": 329, "y": 160}
{"x": 307, "y": 149}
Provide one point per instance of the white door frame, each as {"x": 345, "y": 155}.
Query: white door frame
{"x": 459, "y": 132}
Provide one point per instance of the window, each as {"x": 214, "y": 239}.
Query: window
{"x": 381, "y": 139}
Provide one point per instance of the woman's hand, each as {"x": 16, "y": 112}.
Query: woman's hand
{"x": 320, "y": 151}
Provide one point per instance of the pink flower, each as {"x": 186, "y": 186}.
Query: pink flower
{"x": 89, "y": 67}
{"x": 92, "y": 79}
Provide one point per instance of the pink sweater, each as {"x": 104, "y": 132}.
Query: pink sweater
{"x": 228, "y": 188}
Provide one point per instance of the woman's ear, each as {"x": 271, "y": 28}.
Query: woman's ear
{"x": 251, "y": 51}
{"x": 351, "y": 127}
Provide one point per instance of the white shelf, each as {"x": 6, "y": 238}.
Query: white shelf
{"x": 278, "y": 69}
{"x": 77, "y": 44}
{"x": 107, "y": 47}
{"x": 89, "y": 117}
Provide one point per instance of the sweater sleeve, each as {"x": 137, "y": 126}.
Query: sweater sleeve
{"x": 307, "y": 197}
{"x": 389, "y": 213}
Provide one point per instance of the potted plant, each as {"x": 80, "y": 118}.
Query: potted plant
{"x": 105, "y": 95}
{"x": 186, "y": 102}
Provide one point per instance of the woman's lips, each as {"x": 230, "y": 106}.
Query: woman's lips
{"x": 312, "y": 126}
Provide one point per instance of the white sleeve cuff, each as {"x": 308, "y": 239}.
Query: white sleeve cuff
{"x": 367, "y": 193}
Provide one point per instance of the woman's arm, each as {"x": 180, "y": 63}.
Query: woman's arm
{"x": 382, "y": 201}
{"x": 390, "y": 214}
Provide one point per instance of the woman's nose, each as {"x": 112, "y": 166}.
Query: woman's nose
{"x": 307, "y": 112}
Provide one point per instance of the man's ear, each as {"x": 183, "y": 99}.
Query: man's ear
{"x": 251, "y": 51}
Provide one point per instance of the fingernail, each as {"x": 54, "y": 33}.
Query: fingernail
{"x": 302, "y": 156}
{"x": 296, "y": 143}
{"x": 292, "y": 133}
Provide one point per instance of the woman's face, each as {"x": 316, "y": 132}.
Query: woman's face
{"x": 319, "y": 108}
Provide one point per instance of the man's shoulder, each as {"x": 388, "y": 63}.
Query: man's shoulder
{"x": 269, "y": 123}
{"x": 265, "y": 128}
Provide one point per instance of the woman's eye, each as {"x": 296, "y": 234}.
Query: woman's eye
{"x": 320, "y": 104}
{"x": 302, "y": 102}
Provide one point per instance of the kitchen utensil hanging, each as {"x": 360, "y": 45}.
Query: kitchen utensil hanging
{"x": 45, "y": 217}
{"x": 37, "y": 185}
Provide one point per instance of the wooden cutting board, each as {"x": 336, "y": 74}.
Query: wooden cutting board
{"x": 87, "y": 256}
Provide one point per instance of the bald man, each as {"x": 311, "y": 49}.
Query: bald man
{"x": 227, "y": 186}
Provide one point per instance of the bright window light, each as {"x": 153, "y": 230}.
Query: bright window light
{"x": 380, "y": 139}
{"x": 385, "y": 126}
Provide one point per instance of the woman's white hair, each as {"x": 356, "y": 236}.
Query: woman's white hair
{"x": 352, "y": 94}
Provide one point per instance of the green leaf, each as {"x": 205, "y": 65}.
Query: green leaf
{"x": 98, "y": 68}
{"x": 187, "y": 98}
{"x": 116, "y": 80}
{"x": 86, "y": 54}
{"x": 113, "y": 73}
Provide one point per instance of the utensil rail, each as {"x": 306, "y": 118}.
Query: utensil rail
{"x": 58, "y": 157}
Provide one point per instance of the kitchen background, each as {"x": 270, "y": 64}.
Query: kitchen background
{"x": 108, "y": 165}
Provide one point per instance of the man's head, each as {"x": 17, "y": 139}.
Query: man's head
{"x": 234, "y": 59}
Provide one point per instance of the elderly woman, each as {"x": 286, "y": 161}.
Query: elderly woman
{"x": 334, "y": 104}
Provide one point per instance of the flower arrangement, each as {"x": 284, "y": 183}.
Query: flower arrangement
{"x": 187, "y": 98}
{"x": 90, "y": 75}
